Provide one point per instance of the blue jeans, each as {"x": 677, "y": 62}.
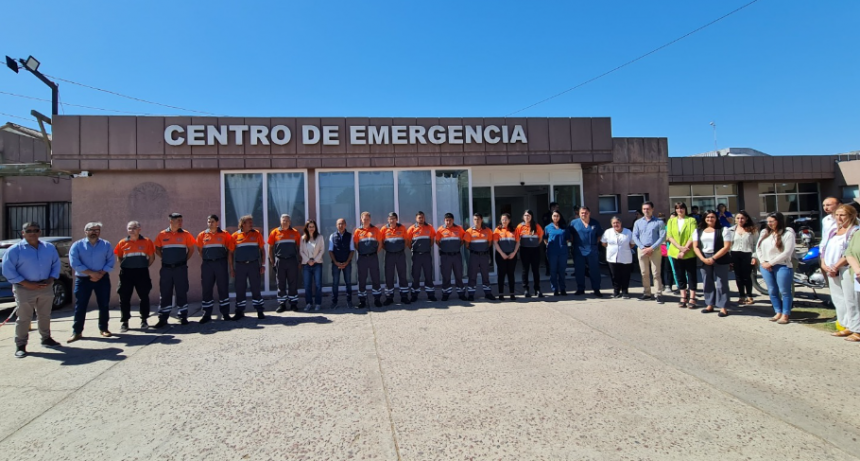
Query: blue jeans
{"x": 779, "y": 284}
{"x": 313, "y": 272}
{"x": 579, "y": 262}
{"x": 84, "y": 288}
{"x": 557, "y": 267}
{"x": 335, "y": 284}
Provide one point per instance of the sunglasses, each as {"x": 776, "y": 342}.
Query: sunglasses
{"x": 32, "y": 231}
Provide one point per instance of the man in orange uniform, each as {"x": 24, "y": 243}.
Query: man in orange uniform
{"x": 216, "y": 247}
{"x": 479, "y": 241}
{"x": 134, "y": 254}
{"x": 367, "y": 240}
{"x": 248, "y": 257}
{"x": 420, "y": 237}
{"x": 175, "y": 246}
{"x": 449, "y": 238}
{"x": 394, "y": 244}
{"x": 284, "y": 244}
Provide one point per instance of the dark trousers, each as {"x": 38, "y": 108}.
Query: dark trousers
{"x": 395, "y": 262}
{"x": 593, "y": 263}
{"x": 248, "y": 274}
{"x": 84, "y": 288}
{"x": 557, "y": 267}
{"x": 368, "y": 265}
{"x": 479, "y": 263}
{"x": 666, "y": 272}
{"x": 422, "y": 263}
{"x": 131, "y": 280}
{"x": 620, "y": 274}
{"x": 335, "y": 281}
{"x": 173, "y": 280}
{"x": 685, "y": 272}
{"x": 743, "y": 273}
{"x": 715, "y": 284}
{"x": 506, "y": 268}
{"x": 531, "y": 262}
{"x": 287, "y": 272}
{"x": 214, "y": 273}
{"x": 452, "y": 263}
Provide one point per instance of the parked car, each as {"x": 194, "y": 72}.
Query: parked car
{"x": 62, "y": 286}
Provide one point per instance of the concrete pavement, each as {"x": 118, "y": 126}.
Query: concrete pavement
{"x": 571, "y": 379}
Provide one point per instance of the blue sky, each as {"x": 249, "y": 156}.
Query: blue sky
{"x": 779, "y": 76}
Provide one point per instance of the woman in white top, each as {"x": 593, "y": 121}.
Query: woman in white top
{"x": 775, "y": 250}
{"x": 619, "y": 243}
{"x": 744, "y": 238}
{"x": 834, "y": 265}
{"x": 311, "y": 251}
{"x": 712, "y": 244}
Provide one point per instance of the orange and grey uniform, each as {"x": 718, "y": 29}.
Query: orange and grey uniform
{"x": 480, "y": 245}
{"x": 247, "y": 262}
{"x": 449, "y": 240}
{"x": 394, "y": 244}
{"x": 215, "y": 247}
{"x": 530, "y": 242}
{"x": 420, "y": 240}
{"x": 173, "y": 276}
{"x": 286, "y": 248}
{"x": 367, "y": 243}
{"x": 134, "y": 274}
{"x": 505, "y": 268}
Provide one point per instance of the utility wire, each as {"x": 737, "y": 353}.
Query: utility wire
{"x": 634, "y": 60}
{"x": 16, "y": 116}
{"x": 129, "y": 97}
{"x": 73, "y": 105}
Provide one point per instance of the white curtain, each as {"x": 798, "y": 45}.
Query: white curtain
{"x": 244, "y": 189}
{"x": 287, "y": 192}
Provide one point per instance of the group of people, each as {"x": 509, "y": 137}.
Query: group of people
{"x": 697, "y": 247}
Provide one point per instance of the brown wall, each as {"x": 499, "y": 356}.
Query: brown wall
{"x": 639, "y": 165}
{"x": 737, "y": 169}
{"x": 148, "y": 197}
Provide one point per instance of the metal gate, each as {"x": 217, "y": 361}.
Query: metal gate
{"x": 54, "y": 217}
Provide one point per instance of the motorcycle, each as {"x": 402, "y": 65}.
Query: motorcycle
{"x": 806, "y": 236}
{"x": 807, "y": 273}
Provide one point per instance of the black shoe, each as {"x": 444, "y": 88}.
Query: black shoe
{"x": 294, "y": 307}
{"x": 513, "y": 298}
{"x": 598, "y": 294}
{"x": 625, "y": 296}
{"x": 388, "y": 301}
{"x": 539, "y": 294}
{"x": 445, "y": 296}
{"x": 471, "y": 297}
{"x": 261, "y": 315}
{"x": 563, "y": 293}
{"x": 527, "y": 294}
{"x": 413, "y": 298}
{"x": 238, "y": 316}
{"x": 659, "y": 299}
{"x": 144, "y": 325}
{"x": 349, "y": 304}
{"x": 205, "y": 319}
{"x": 21, "y": 352}
{"x": 49, "y": 342}
{"x": 281, "y": 308}
{"x": 226, "y": 317}
{"x": 580, "y": 293}
{"x": 405, "y": 300}
{"x": 490, "y": 296}
{"x": 377, "y": 302}
{"x": 431, "y": 297}
{"x": 183, "y": 321}
{"x": 362, "y": 303}
{"x": 556, "y": 293}
{"x": 723, "y": 314}
{"x": 161, "y": 324}
{"x": 123, "y": 327}
{"x": 646, "y": 298}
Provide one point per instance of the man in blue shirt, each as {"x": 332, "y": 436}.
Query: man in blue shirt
{"x": 92, "y": 259}
{"x": 586, "y": 233}
{"x": 648, "y": 234}
{"x": 31, "y": 266}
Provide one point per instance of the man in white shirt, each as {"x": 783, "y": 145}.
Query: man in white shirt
{"x": 828, "y": 223}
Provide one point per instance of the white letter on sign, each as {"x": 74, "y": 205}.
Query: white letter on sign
{"x": 519, "y": 135}
{"x": 378, "y": 135}
{"x": 239, "y": 131}
{"x": 310, "y": 134}
{"x": 330, "y": 136}
{"x": 436, "y": 134}
{"x": 216, "y": 133}
{"x": 195, "y": 135}
{"x": 474, "y": 134}
{"x": 398, "y": 134}
{"x": 357, "y": 134}
{"x": 491, "y": 139}
{"x": 168, "y": 135}
{"x": 455, "y": 134}
{"x": 281, "y": 135}
{"x": 258, "y": 135}
{"x": 416, "y": 134}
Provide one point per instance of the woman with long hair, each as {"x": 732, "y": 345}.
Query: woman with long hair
{"x": 311, "y": 250}
{"x": 775, "y": 250}
{"x": 530, "y": 234}
{"x": 712, "y": 244}
{"x": 679, "y": 235}
{"x": 744, "y": 237}
{"x": 834, "y": 265}
{"x": 507, "y": 243}
{"x": 556, "y": 237}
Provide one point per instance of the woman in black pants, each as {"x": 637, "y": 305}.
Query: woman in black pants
{"x": 530, "y": 235}
{"x": 745, "y": 238}
{"x": 507, "y": 243}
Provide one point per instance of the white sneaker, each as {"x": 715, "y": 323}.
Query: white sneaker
{"x": 667, "y": 291}
{"x": 317, "y": 308}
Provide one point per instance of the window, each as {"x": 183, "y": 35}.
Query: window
{"x": 54, "y": 217}
{"x": 792, "y": 199}
{"x": 704, "y": 196}
{"x": 608, "y": 204}
{"x": 635, "y": 201}
{"x": 849, "y": 193}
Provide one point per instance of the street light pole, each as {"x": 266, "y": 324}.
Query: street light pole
{"x": 32, "y": 66}
{"x": 714, "y": 124}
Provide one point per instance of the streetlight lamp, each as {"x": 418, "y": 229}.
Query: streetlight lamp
{"x": 32, "y": 66}
{"x": 714, "y": 124}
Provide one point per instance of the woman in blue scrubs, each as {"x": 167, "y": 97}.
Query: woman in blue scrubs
{"x": 556, "y": 237}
